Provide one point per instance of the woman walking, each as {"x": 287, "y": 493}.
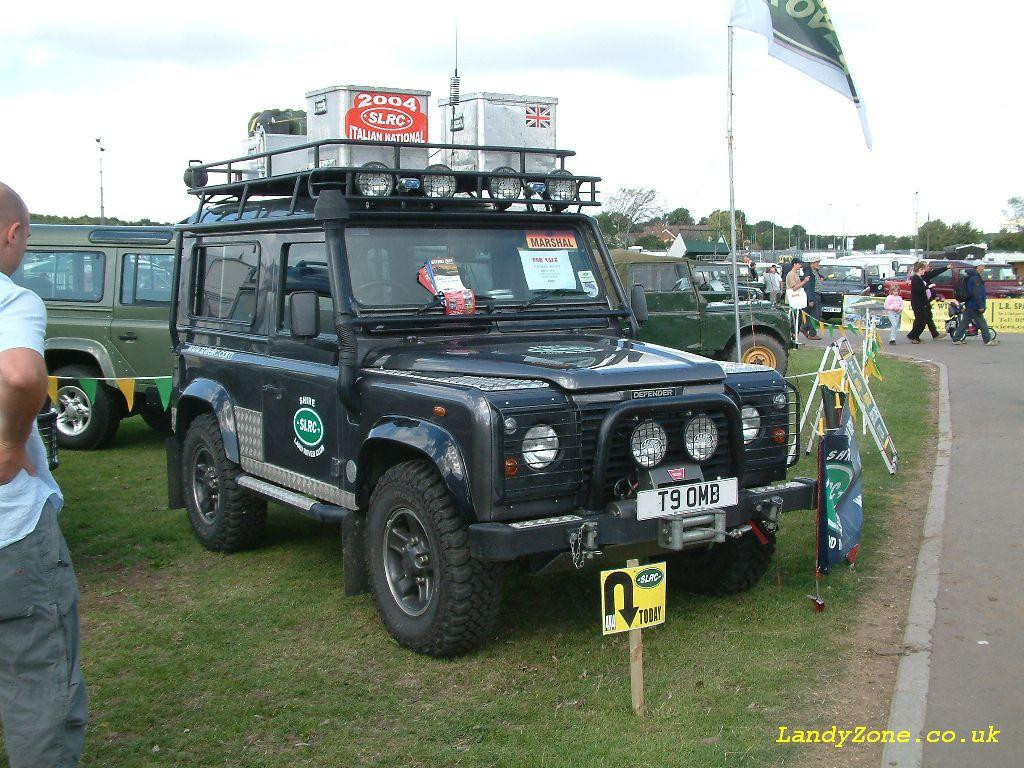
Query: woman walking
{"x": 921, "y": 302}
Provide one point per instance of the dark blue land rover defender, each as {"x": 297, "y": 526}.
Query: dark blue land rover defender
{"x": 445, "y": 363}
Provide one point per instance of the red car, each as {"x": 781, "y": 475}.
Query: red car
{"x": 1000, "y": 280}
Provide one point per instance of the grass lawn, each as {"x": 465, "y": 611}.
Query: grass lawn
{"x": 258, "y": 659}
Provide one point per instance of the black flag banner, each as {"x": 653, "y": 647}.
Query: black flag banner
{"x": 840, "y": 502}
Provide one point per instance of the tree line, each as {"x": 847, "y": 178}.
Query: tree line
{"x": 634, "y": 214}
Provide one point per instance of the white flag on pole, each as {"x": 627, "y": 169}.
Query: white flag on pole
{"x": 800, "y": 33}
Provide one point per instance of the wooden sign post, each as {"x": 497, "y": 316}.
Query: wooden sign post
{"x": 636, "y": 662}
{"x": 642, "y": 591}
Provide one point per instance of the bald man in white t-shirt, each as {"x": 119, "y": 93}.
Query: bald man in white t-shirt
{"x": 43, "y": 704}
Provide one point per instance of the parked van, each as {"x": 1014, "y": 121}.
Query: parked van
{"x": 107, "y": 291}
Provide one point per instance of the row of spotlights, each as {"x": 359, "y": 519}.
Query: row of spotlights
{"x": 377, "y": 181}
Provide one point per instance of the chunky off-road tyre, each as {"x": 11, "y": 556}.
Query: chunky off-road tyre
{"x": 432, "y": 594}
{"x": 159, "y": 421}
{"x": 85, "y": 423}
{"x": 729, "y": 568}
{"x": 224, "y": 517}
{"x": 760, "y": 349}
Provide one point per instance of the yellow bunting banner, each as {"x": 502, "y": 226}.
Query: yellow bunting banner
{"x": 127, "y": 387}
{"x": 51, "y": 388}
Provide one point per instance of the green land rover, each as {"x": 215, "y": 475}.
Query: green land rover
{"x": 107, "y": 291}
{"x": 682, "y": 317}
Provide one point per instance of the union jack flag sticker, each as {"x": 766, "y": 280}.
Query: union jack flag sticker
{"x": 538, "y": 117}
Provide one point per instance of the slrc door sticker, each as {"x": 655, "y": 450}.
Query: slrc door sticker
{"x": 309, "y": 429}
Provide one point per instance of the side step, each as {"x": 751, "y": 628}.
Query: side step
{"x": 318, "y": 510}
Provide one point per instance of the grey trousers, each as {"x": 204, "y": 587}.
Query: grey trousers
{"x": 43, "y": 703}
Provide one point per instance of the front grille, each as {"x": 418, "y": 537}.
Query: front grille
{"x": 621, "y": 465}
{"x": 46, "y": 423}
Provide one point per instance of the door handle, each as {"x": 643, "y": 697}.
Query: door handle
{"x": 127, "y": 336}
{"x": 273, "y": 389}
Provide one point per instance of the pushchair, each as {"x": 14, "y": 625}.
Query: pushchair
{"x": 954, "y": 311}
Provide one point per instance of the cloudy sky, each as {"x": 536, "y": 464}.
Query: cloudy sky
{"x": 641, "y": 89}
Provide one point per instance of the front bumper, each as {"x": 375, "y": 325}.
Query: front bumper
{"x": 617, "y": 525}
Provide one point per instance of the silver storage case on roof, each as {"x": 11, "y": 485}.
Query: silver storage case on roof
{"x": 372, "y": 114}
{"x": 289, "y": 162}
{"x": 503, "y": 120}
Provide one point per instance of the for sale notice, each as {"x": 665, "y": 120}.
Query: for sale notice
{"x": 547, "y": 270}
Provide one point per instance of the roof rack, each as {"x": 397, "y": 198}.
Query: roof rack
{"x": 235, "y": 180}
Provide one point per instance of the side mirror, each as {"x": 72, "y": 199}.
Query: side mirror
{"x": 638, "y": 300}
{"x": 304, "y": 315}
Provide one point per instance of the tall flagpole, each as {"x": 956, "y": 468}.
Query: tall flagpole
{"x": 732, "y": 217}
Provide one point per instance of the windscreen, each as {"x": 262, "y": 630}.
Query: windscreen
{"x": 842, "y": 274}
{"x": 506, "y": 266}
{"x": 1001, "y": 274}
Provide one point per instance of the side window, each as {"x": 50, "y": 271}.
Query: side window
{"x": 943, "y": 278}
{"x": 226, "y": 282}
{"x": 659, "y": 278}
{"x": 63, "y": 275}
{"x": 146, "y": 278}
{"x": 304, "y": 268}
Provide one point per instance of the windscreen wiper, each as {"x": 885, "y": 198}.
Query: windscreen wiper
{"x": 437, "y": 300}
{"x": 544, "y": 293}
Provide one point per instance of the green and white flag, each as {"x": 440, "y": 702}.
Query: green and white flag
{"x": 800, "y": 33}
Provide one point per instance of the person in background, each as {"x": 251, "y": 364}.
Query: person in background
{"x": 772, "y": 283}
{"x": 894, "y": 309}
{"x": 974, "y": 307}
{"x": 751, "y": 269}
{"x": 813, "y": 311}
{"x": 43, "y": 703}
{"x": 921, "y": 301}
{"x": 796, "y": 297}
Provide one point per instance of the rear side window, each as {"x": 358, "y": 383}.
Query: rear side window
{"x": 63, "y": 275}
{"x": 660, "y": 278}
{"x": 146, "y": 278}
{"x": 226, "y": 282}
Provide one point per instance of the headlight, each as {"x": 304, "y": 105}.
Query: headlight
{"x": 648, "y": 443}
{"x": 375, "y": 183}
{"x": 540, "y": 446}
{"x": 751, "y": 423}
{"x": 700, "y": 438}
{"x": 439, "y": 186}
{"x": 504, "y": 187}
{"x": 780, "y": 401}
{"x": 561, "y": 189}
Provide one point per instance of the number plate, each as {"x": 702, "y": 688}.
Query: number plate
{"x": 831, "y": 309}
{"x": 675, "y": 500}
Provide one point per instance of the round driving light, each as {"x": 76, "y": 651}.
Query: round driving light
{"x": 780, "y": 401}
{"x": 440, "y": 185}
{"x": 510, "y": 424}
{"x": 504, "y": 187}
{"x": 700, "y": 438}
{"x": 751, "y": 423}
{"x": 561, "y": 186}
{"x": 374, "y": 183}
{"x": 540, "y": 446}
{"x": 648, "y": 443}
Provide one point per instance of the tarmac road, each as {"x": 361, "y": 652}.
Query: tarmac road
{"x": 976, "y": 677}
{"x": 977, "y": 666}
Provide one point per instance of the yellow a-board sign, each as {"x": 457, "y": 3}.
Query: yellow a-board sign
{"x": 632, "y": 598}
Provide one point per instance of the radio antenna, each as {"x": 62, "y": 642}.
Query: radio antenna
{"x": 456, "y": 123}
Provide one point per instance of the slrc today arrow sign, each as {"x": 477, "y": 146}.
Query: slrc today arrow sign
{"x": 632, "y": 598}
